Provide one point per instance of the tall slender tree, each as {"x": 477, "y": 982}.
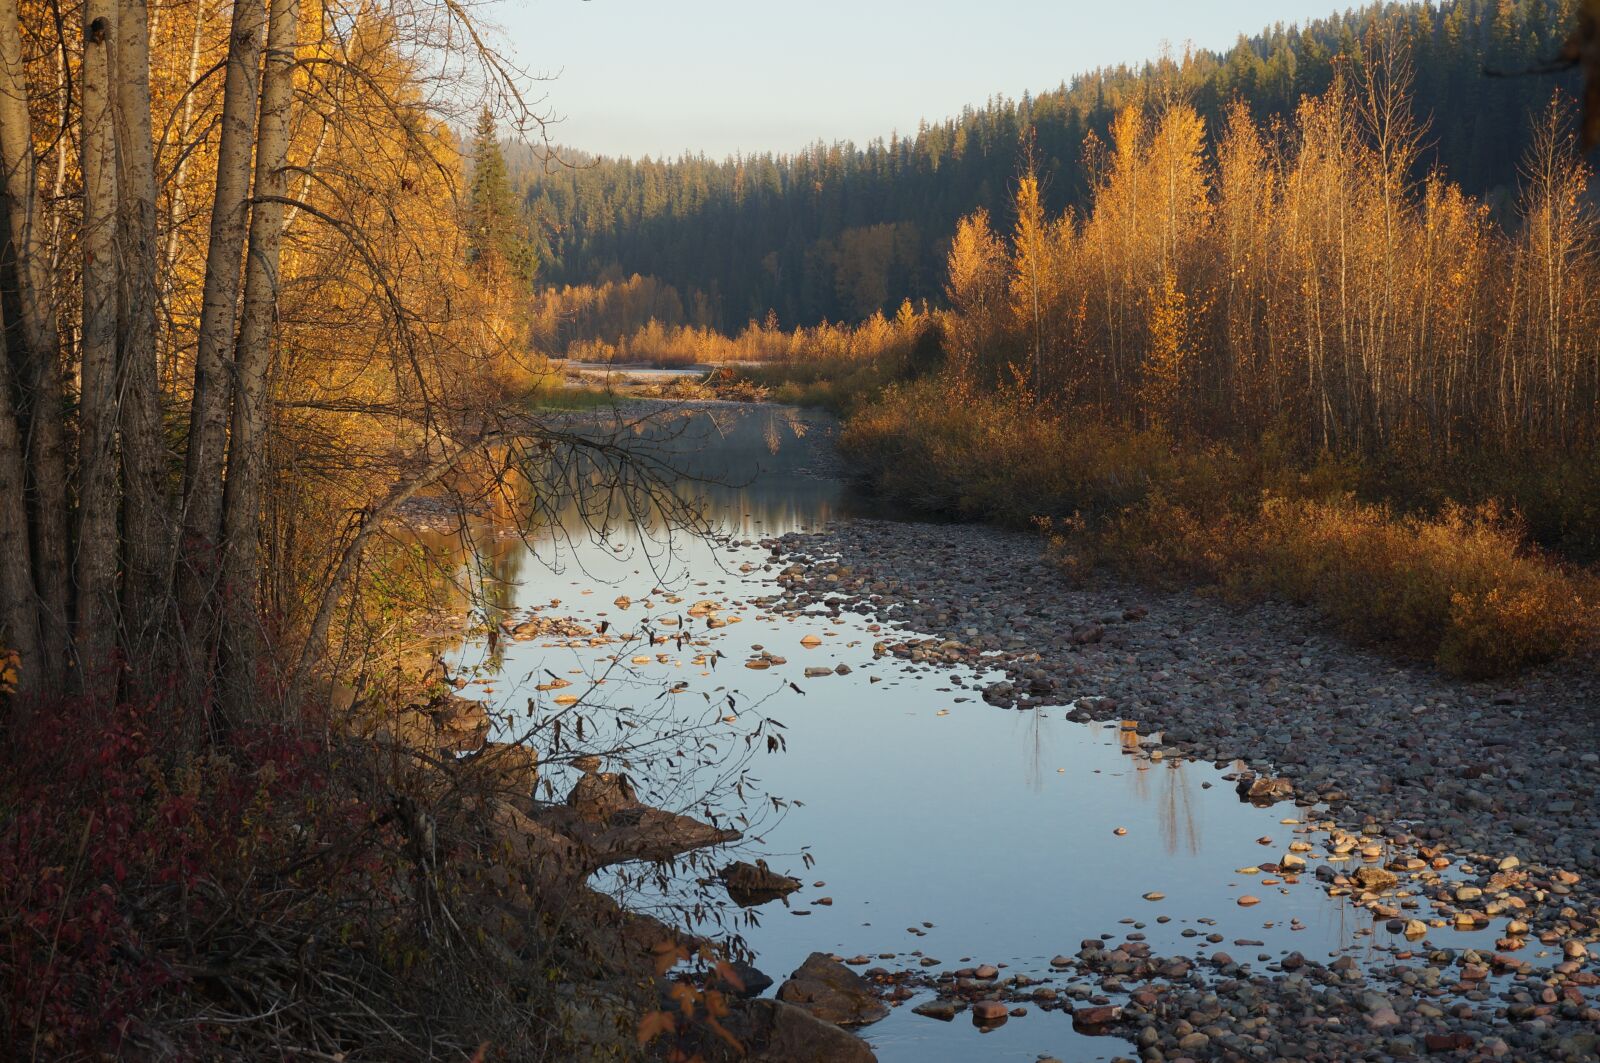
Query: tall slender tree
{"x": 145, "y": 518}
{"x": 97, "y": 616}
{"x": 199, "y": 545}
{"x": 496, "y": 247}
{"x": 253, "y": 358}
{"x": 37, "y": 377}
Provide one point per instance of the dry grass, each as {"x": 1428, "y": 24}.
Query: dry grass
{"x": 1461, "y": 586}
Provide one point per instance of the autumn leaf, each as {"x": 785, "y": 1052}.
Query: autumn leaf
{"x": 653, "y": 1024}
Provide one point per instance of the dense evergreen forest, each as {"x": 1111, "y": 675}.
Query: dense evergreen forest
{"x": 838, "y": 231}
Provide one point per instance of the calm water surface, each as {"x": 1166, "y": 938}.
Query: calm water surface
{"x": 916, "y": 802}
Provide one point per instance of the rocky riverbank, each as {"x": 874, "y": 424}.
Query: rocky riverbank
{"x": 1432, "y": 803}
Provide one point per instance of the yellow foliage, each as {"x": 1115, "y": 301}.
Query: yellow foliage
{"x": 1167, "y": 355}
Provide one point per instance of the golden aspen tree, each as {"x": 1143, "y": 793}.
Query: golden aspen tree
{"x": 1244, "y": 221}
{"x": 1321, "y": 187}
{"x": 1168, "y": 357}
{"x": 1394, "y": 137}
{"x": 1556, "y": 255}
{"x": 1179, "y": 184}
{"x": 1114, "y": 236}
{"x": 1030, "y": 271}
{"x": 976, "y": 289}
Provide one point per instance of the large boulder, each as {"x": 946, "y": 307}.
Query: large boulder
{"x": 505, "y": 767}
{"x": 832, "y": 992}
{"x": 461, "y": 724}
{"x": 736, "y": 979}
{"x": 611, "y": 825}
{"x": 600, "y": 795}
{"x": 531, "y": 845}
{"x": 445, "y": 724}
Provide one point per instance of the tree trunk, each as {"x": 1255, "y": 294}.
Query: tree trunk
{"x": 253, "y": 356}
{"x": 96, "y": 562}
{"x": 38, "y": 365}
{"x": 213, "y": 371}
{"x": 144, "y": 511}
{"x": 175, "y": 198}
{"x": 19, "y": 617}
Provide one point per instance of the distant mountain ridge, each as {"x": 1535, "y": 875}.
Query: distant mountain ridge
{"x": 838, "y": 231}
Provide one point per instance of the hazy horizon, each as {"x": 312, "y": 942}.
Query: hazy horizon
{"x": 639, "y": 79}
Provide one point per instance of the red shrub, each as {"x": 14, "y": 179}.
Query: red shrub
{"x": 104, "y": 836}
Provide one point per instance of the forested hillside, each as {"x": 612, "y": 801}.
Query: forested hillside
{"x": 839, "y": 231}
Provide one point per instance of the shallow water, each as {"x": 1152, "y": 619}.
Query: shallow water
{"x": 916, "y": 802}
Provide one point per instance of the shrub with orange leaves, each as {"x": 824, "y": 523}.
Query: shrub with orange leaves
{"x": 10, "y": 671}
{"x": 691, "y": 1013}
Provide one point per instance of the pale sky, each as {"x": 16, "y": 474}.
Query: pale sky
{"x": 721, "y": 76}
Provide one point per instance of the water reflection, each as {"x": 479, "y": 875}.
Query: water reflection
{"x": 1177, "y": 810}
{"x": 918, "y": 803}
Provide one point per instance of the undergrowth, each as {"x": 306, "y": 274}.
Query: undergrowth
{"x": 282, "y": 893}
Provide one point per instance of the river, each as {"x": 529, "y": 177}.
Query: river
{"x": 936, "y": 826}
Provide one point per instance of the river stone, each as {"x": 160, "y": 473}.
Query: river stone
{"x": 1375, "y": 878}
{"x": 1262, "y": 791}
{"x": 739, "y": 980}
{"x": 988, "y": 1012}
{"x": 1091, "y": 1018}
{"x": 832, "y": 992}
{"x": 753, "y": 884}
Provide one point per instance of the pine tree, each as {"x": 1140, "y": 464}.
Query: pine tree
{"x": 496, "y": 245}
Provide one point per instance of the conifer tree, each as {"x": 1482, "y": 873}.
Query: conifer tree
{"x": 496, "y": 247}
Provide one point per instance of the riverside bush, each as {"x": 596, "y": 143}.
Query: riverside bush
{"x": 1459, "y": 585}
